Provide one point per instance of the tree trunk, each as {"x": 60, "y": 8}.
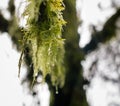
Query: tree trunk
{"x": 72, "y": 94}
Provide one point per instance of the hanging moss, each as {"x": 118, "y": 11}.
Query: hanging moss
{"x": 43, "y": 37}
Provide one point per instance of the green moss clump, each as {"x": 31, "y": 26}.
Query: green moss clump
{"x": 44, "y": 38}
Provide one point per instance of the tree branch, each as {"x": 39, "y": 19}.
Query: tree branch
{"x": 105, "y": 35}
{"x": 3, "y": 24}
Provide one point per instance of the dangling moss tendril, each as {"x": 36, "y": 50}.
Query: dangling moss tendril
{"x": 44, "y": 38}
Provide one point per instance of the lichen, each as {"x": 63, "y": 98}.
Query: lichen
{"x": 43, "y": 34}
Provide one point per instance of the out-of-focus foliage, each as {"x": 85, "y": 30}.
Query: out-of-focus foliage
{"x": 101, "y": 65}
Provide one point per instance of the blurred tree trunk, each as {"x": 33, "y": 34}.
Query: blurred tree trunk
{"x": 72, "y": 94}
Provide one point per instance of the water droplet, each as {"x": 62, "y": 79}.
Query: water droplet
{"x": 56, "y": 89}
{"x": 36, "y": 74}
{"x": 39, "y": 79}
{"x": 53, "y": 64}
{"x": 56, "y": 92}
{"x": 49, "y": 51}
